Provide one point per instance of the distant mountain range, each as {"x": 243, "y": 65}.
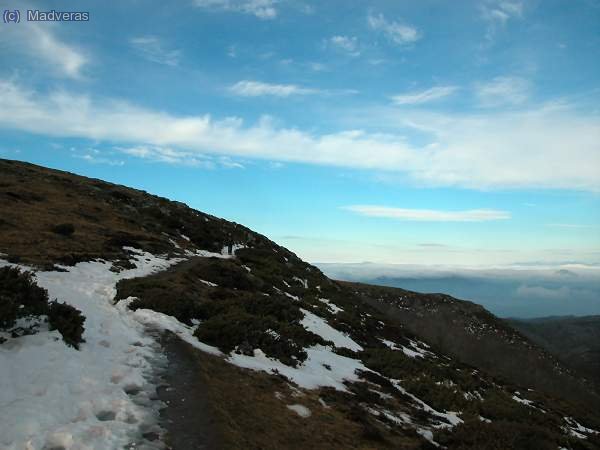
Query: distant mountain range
{"x": 525, "y": 292}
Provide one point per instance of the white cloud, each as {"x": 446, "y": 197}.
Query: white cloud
{"x": 152, "y": 49}
{"x": 317, "y": 66}
{"x": 545, "y": 293}
{"x": 501, "y": 11}
{"x": 228, "y": 163}
{"x": 503, "y": 91}
{"x": 426, "y": 96}
{"x": 41, "y": 44}
{"x": 168, "y": 155}
{"x": 567, "y": 225}
{"x": 429, "y": 215}
{"x": 347, "y": 44}
{"x": 399, "y": 33}
{"x": 95, "y": 156}
{"x": 550, "y": 146}
{"x": 100, "y": 160}
{"x": 496, "y": 13}
{"x": 248, "y": 88}
{"x": 263, "y": 9}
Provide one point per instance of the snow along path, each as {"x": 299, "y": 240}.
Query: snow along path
{"x": 53, "y": 396}
{"x": 323, "y": 367}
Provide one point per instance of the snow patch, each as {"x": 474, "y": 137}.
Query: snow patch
{"x": 320, "y": 327}
{"x": 523, "y": 401}
{"x": 293, "y": 297}
{"x": 428, "y": 435}
{"x": 516, "y": 397}
{"x": 206, "y": 254}
{"x": 449, "y": 418}
{"x": 312, "y": 373}
{"x": 577, "y": 430}
{"x": 333, "y": 308}
{"x": 415, "y": 352}
{"x": 234, "y": 248}
{"x": 303, "y": 282}
{"x": 301, "y": 410}
{"x": 163, "y": 322}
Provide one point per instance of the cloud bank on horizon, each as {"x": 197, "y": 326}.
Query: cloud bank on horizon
{"x": 486, "y": 142}
{"x": 527, "y": 292}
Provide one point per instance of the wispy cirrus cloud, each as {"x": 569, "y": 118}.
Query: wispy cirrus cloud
{"x": 489, "y": 150}
{"x": 95, "y": 156}
{"x": 168, "y": 155}
{"x": 397, "y": 32}
{"x": 247, "y": 88}
{"x": 428, "y": 215}
{"x": 42, "y": 44}
{"x": 263, "y": 9}
{"x": 501, "y": 91}
{"x": 497, "y": 13}
{"x": 424, "y": 96}
{"x": 501, "y": 11}
{"x": 572, "y": 226}
{"x": 153, "y": 49}
{"x": 172, "y": 156}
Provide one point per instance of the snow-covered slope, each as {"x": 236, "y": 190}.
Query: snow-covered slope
{"x": 53, "y": 396}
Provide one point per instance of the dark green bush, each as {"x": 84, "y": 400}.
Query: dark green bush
{"x": 68, "y": 321}
{"x": 227, "y": 274}
{"x": 64, "y": 229}
{"x": 499, "y": 435}
{"x": 19, "y": 296}
{"x": 122, "y": 239}
{"x": 252, "y": 320}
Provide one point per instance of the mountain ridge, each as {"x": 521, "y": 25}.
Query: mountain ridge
{"x": 287, "y": 357}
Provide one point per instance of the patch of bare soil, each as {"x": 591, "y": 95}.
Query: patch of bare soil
{"x": 187, "y": 419}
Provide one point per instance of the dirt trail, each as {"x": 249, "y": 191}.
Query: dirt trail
{"x": 187, "y": 419}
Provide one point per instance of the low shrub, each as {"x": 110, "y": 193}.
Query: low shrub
{"x": 20, "y": 296}
{"x": 68, "y": 321}
{"x": 226, "y": 274}
{"x": 498, "y": 435}
{"x": 243, "y": 326}
{"x": 64, "y": 229}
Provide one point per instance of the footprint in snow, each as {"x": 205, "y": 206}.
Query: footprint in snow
{"x": 104, "y": 416}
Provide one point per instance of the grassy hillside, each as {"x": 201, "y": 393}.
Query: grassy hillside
{"x": 474, "y": 336}
{"x": 573, "y": 340}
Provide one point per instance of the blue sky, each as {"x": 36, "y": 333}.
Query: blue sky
{"x": 430, "y": 132}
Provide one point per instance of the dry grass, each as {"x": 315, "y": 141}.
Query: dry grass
{"x": 251, "y": 413}
{"x": 34, "y": 200}
{"x": 48, "y": 216}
